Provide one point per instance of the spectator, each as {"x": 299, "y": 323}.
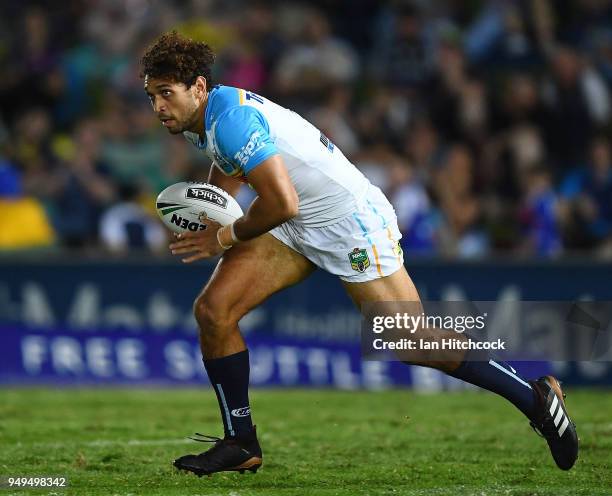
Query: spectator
{"x": 23, "y": 223}
{"x": 500, "y": 37}
{"x": 415, "y": 215}
{"x": 539, "y": 215}
{"x": 460, "y": 233}
{"x": 424, "y": 148}
{"x": 333, "y": 119}
{"x": 518, "y": 102}
{"x": 31, "y": 151}
{"x": 578, "y": 101}
{"x": 82, "y": 186}
{"x": 316, "y": 61}
{"x": 246, "y": 68}
{"x": 132, "y": 150}
{"x": 399, "y": 55}
{"x": 32, "y": 75}
{"x": 128, "y": 226}
{"x": 446, "y": 89}
{"x": 587, "y": 195}
{"x": 451, "y": 107}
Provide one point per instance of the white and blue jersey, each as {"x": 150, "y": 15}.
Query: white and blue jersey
{"x": 345, "y": 225}
{"x": 243, "y": 129}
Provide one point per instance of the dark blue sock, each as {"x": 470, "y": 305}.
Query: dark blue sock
{"x": 480, "y": 369}
{"x": 229, "y": 377}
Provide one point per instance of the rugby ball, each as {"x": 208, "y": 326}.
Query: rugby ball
{"x": 184, "y": 206}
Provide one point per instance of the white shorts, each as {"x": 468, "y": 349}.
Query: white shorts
{"x": 360, "y": 247}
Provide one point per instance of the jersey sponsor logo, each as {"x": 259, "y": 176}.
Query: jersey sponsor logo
{"x": 245, "y": 411}
{"x": 359, "y": 259}
{"x": 207, "y": 195}
{"x": 243, "y": 155}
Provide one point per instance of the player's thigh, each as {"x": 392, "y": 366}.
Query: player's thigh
{"x": 250, "y": 272}
{"x": 398, "y": 287}
{"x": 395, "y": 287}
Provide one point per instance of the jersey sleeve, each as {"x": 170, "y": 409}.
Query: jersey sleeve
{"x": 243, "y": 139}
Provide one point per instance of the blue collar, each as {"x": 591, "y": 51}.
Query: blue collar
{"x": 207, "y": 116}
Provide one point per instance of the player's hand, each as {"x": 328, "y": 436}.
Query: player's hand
{"x": 202, "y": 244}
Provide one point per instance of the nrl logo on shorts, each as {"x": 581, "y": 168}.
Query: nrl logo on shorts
{"x": 397, "y": 249}
{"x": 359, "y": 259}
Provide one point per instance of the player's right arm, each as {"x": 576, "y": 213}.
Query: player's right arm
{"x": 243, "y": 141}
{"x": 276, "y": 201}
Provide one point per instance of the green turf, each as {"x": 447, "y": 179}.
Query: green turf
{"x": 315, "y": 442}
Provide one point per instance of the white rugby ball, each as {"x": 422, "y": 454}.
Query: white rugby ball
{"x": 183, "y": 206}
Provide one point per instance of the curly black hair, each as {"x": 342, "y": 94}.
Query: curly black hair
{"x": 178, "y": 58}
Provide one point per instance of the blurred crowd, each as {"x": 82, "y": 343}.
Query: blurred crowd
{"x": 487, "y": 123}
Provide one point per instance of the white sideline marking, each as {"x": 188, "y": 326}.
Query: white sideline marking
{"x": 96, "y": 443}
{"x": 137, "y": 442}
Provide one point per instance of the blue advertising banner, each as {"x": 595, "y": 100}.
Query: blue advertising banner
{"x": 104, "y": 322}
{"x": 68, "y": 357}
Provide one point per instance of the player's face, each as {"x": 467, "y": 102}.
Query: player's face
{"x": 175, "y": 105}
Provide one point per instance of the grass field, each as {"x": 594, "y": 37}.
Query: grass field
{"x": 315, "y": 442}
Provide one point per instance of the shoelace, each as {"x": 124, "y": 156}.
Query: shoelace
{"x": 204, "y": 438}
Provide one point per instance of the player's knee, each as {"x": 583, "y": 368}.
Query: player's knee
{"x": 213, "y": 315}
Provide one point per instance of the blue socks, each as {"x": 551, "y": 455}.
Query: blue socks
{"x": 229, "y": 377}
{"x": 480, "y": 369}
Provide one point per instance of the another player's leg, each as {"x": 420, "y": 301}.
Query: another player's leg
{"x": 246, "y": 276}
{"x": 542, "y": 401}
